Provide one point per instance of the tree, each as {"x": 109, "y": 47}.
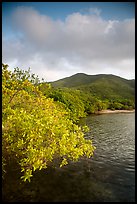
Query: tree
{"x": 35, "y": 129}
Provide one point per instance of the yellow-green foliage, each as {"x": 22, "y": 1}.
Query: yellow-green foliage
{"x": 35, "y": 129}
{"x": 71, "y": 99}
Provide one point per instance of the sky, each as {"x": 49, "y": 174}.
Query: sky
{"x": 59, "y": 39}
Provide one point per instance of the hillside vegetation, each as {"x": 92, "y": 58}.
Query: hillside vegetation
{"x": 102, "y": 85}
{"x": 94, "y": 92}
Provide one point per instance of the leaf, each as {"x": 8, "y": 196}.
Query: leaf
{"x": 64, "y": 162}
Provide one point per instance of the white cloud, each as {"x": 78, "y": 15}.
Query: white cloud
{"x": 82, "y": 43}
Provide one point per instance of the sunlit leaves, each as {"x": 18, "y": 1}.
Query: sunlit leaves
{"x": 36, "y": 129}
{"x": 64, "y": 162}
{"x": 27, "y": 176}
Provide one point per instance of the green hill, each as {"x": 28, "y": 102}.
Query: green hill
{"x": 76, "y": 80}
{"x": 104, "y": 86}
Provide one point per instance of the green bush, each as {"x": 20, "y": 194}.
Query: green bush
{"x": 35, "y": 129}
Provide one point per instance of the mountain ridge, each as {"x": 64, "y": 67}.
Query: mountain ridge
{"x": 60, "y": 83}
{"x": 100, "y": 85}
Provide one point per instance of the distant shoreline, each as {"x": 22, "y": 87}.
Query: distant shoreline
{"x": 114, "y": 111}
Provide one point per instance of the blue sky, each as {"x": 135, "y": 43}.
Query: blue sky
{"x": 110, "y": 10}
{"x": 63, "y": 18}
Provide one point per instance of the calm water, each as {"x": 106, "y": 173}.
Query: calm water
{"x": 114, "y": 157}
{"x": 108, "y": 176}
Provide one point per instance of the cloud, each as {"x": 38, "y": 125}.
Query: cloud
{"x": 95, "y": 11}
{"x": 82, "y": 43}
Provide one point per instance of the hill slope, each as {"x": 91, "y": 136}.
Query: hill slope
{"x": 102, "y": 85}
{"x": 76, "y": 80}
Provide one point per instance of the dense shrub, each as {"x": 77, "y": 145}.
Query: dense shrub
{"x": 36, "y": 130}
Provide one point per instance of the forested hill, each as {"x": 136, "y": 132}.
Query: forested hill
{"x": 101, "y": 85}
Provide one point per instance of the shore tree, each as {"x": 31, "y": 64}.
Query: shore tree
{"x": 36, "y": 130}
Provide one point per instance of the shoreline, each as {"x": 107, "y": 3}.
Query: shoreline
{"x": 114, "y": 111}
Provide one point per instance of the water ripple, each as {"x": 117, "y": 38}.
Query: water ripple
{"x": 114, "y": 157}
